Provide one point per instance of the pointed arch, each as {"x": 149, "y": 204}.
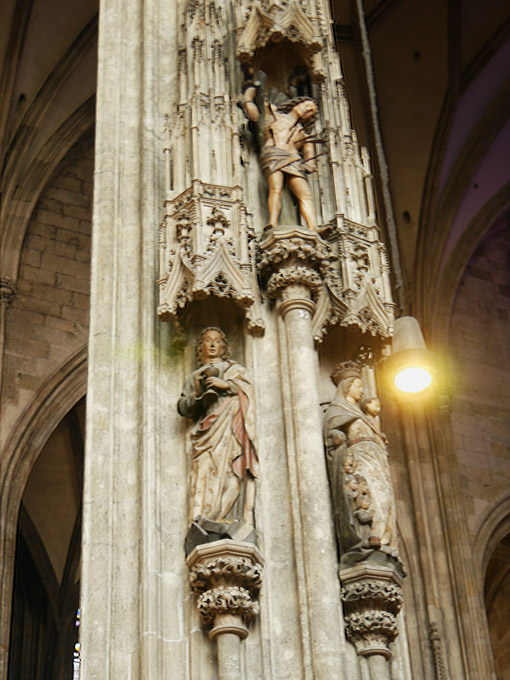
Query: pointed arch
{"x": 53, "y": 401}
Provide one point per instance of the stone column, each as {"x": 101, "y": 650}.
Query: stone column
{"x": 291, "y": 260}
{"x": 119, "y": 556}
{"x": 226, "y": 576}
{"x": 372, "y": 598}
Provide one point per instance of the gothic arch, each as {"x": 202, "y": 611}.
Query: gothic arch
{"x": 53, "y": 401}
{"x": 441, "y": 304}
{"x": 493, "y": 529}
{"x": 494, "y": 526}
{"x": 440, "y": 204}
{"x": 38, "y": 145}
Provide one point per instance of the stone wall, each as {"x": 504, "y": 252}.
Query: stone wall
{"x": 47, "y": 320}
{"x": 480, "y": 331}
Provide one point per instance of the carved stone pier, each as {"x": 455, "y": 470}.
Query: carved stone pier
{"x": 226, "y": 576}
{"x": 372, "y": 599}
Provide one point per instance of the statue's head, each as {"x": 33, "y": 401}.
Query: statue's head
{"x": 212, "y": 344}
{"x": 371, "y": 406}
{"x": 347, "y": 377}
{"x": 304, "y": 107}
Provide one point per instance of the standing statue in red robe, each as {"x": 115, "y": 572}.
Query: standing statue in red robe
{"x": 219, "y": 397}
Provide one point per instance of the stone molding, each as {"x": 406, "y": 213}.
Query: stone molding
{"x": 372, "y": 599}
{"x": 226, "y": 576}
{"x": 437, "y": 652}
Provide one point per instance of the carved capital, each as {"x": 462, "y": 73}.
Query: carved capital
{"x": 293, "y": 258}
{"x": 294, "y": 276}
{"x": 289, "y": 245}
{"x": 372, "y": 598}
{"x": 8, "y": 290}
{"x": 227, "y": 576}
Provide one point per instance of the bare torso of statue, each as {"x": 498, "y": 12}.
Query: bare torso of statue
{"x": 287, "y": 154}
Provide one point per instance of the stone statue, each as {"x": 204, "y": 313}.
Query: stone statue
{"x": 288, "y": 151}
{"x": 358, "y": 469}
{"x": 219, "y": 398}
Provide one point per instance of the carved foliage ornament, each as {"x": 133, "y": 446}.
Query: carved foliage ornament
{"x": 227, "y": 584}
{"x": 7, "y": 290}
{"x": 292, "y": 276}
{"x": 231, "y": 600}
{"x": 372, "y": 599}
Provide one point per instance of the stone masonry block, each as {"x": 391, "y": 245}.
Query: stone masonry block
{"x": 66, "y": 196}
{"x": 80, "y": 285}
{"x": 29, "y": 382}
{"x": 79, "y": 172}
{"x": 50, "y": 204}
{"x": 81, "y": 300}
{"x": 65, "y": 265}
{"x": 35, "y": 348}
{"x": 75, "y": 314}
{"x": 41, "y": 306}
{"x": 81, "y": 212}
{"x": 37, "y": 275}
{"x": 31, "y": 257}
{"x": 42, "y": 229}
{"x": 69, "y": 182}
{"x": 60, "y": 324}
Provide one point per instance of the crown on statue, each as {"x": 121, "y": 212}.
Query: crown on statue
{"x": 344, "y": 370}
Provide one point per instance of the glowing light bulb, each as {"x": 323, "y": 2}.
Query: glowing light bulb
{"x": 413, "y": 379}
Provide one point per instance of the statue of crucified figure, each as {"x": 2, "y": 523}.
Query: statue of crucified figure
{"x": 288, "y": 151}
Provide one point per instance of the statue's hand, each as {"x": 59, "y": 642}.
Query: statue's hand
{"x": 217, "y": 383}
{"x": 310, "y": 167}
{"x": 338, "y": 437}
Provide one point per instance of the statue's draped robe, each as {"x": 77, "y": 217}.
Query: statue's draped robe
{"x": 366, "y": 447}
{"x": 222, "y": 438}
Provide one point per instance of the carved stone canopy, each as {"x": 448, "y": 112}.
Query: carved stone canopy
{"x": 269, "y": 24}
{"x": 206, "y": 250}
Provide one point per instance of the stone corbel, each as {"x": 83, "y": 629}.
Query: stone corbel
{"x": 226, "y": 576}
{"x": 372, "y": 599}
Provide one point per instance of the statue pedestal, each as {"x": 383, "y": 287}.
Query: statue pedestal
{"x": 372, "y": 599}
{"x": 227, "y": 576}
